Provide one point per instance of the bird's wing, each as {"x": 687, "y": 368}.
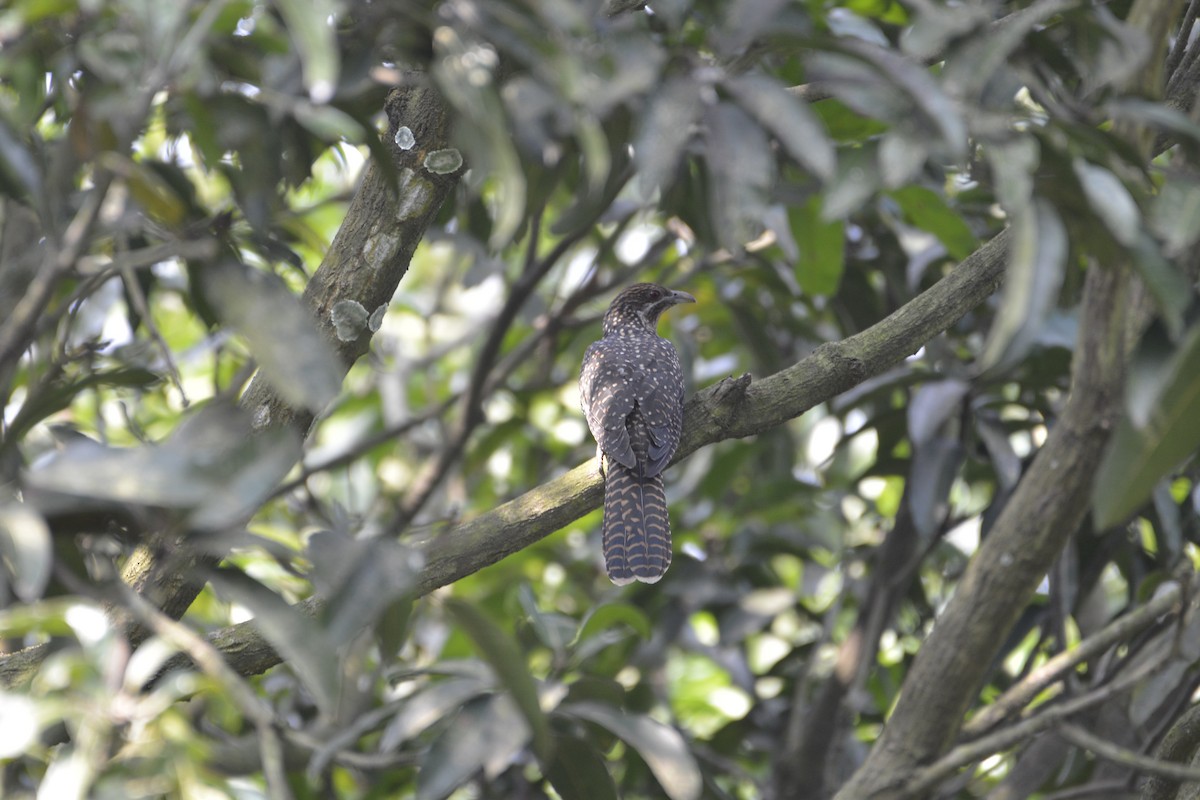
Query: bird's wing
{"x": 607, "y": 395}
{"x": 660, "y": 401}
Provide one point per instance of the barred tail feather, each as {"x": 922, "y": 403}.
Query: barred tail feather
{"x": 636, "y": 534}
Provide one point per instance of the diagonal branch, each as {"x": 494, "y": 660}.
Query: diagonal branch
{"x": 734, "y": 408}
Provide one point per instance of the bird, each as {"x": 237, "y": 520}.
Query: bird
{"x": 631, "y": 390}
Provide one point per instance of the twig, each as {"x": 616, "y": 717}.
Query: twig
{"x": 730, "y": 409}
{"x": 435, "y": 472}
{"x": 211, "y": 662}
{"x": 926, "y": 778}
{"x": 15, "y": 335}
{"x": 1021, "y": 693}
{"x": 1110, "y": 751}
{"x": 1183, "y": 39}
{"x": 138, "y": 297}
{"x": 1106, "y": 789}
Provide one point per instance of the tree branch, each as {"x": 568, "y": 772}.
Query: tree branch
{"x": 395, "y": 204}
{"x": 733, "y": 408}
{"x": 1022, "y": 693}
{"x": 1044, "y": 511}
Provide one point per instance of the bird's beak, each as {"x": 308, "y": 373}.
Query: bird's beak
{"x": 681, "y": 297}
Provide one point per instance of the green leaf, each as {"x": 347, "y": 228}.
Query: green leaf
{"x": 553, "y": 630}
{"x": 742, "y": 171}
{"x": 1035, "y": 273}
{"x": 20, "y": 175}
{"x": 666, "y": 128}
{"x": 469, "y": 85}
{"x": 279, "y": 330}
{"x": 501, "y": 652}
{"x": 425, "y": 708}
{"x": 212, "y": 467}
{"x": 359, "y": 578}
{"x": 603, "y": 617}
{"x": 856, "y": 181}
{"x": 901, "y": 157}
{"x": 822, "y": 248}
{"x": 1167, "y": 282}
{"x": 1175, "y": 213}
{"x": 931, "y": 475}
{"x": 844, "y": 124}
{"x": 941, "y": 113}
{"x": 661, "y": 747}
{"x": 27, "y": 550}
{"x": 52, "y": 398}
{"x": 932, "y": 404}
{"x": 311, "y": 24}
{"x": 579, "y": 772}
{"x": 1111, "y": 201}
{"x": 927, "y": 210}
{"x": 485, "y": 735}
{"x": 1138, "y": 457}
{"x": 789, "y": 120}
{"x": 1163, "y": 117}
{"x": 297, "y": 638}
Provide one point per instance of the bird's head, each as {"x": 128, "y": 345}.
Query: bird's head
{"x": 640, "y": 305}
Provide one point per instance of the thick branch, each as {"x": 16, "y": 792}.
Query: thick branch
{"x": 1046, "y": 508}
{"x": 391, "y": 211}
{"x": 731, "y": 409}
{"x": 394, "y": 206}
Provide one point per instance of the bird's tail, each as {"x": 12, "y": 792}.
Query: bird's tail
{"x": 636, "y": 533}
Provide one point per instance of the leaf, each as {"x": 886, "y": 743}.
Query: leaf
{"x": 1036, "y": 265}
{"x": 1163, "y": 117}
{"x": 605, "y": 616}
{"x": 857, "y": 179}
{"x": 311, "y": 25}
{"x": 1013, "y": 163}
{"x": 1175, "y": 214}
{"x": 845, "y": 124}
{"x": 553, "y": 630}
{"x": 932, "y": 473}
{"x": 901, "y": 157}
{"x": 151, "y": 190}
{"x": 20, "y": 174}
{"x": 213, "y": 467}
{"x": 52, "y": 398}
{"x": 925, "y": 93}
{"x": 279, "y": 330}
{"x": 486, "y": 734}
{"x": 465, "y": 77}
{"x": 1168, "y": 532}
{"x": 822, "y": 249}
{"x": 1150, "y": 371}
{"x": 297, "y": 638}
{"x": 977, "y": 61}
{"x": 27, "y": 550}
{"x": 1167, "y": 282}
{"x": 1137, "y": 458}
{"x": 1111, "y": 201}
{"x": 927, "y": 210}
{"x": 931, "y": 405}
{"x": 1005, "y": 460}
{"x": 789, "y": 119}
{"x": 359, "y": 578}
{"x": 579, "y": 772}
{"x": 425, "y": 708}
{"x": 742, "y": 170}
{"x": 502, "y": 653}
{"x": 661, "y": 747}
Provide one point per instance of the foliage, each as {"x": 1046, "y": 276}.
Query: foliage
{"x": 172, "y": 177}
